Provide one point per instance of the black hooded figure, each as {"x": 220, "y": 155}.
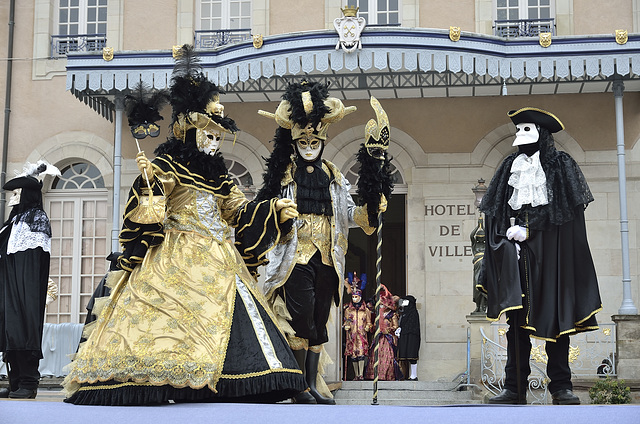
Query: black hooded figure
{"x": 25, "y": 246}
{"x": 409, "y": 335}
{"x": 538, "y": 267}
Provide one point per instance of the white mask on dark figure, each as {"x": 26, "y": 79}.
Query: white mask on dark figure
{"x": 15, "y": 197}
{"x": 309, "y": 149}
{"x": 526, "y": 133}
{"x": 207, "y": 141}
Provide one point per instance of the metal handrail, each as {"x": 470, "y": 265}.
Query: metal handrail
{"x": 63, "y": 44}
{"x": 208, "y": 39}
{"x": 512, "y": 28}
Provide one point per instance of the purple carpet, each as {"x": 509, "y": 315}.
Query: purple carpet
{"x": 19, "y": 412}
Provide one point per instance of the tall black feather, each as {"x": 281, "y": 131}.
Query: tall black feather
{"x": 374, "y": 180}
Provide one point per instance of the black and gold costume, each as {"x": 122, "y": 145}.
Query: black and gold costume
{"x": 185, "y": 320}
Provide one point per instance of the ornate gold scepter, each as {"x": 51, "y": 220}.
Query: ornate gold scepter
{"x": 374, "y": 188}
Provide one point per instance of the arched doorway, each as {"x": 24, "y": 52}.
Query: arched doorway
{"x": 361, "y": 255}
{"x": 76, "y": 203}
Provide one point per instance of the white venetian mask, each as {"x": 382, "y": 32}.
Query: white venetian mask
{"x": 15, "y": 197}
{"x": 526, "y": 133}
{"x": 309, "y": 149}
{"x": 207, "y": 141}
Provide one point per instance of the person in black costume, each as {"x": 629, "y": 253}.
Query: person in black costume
{"x": 25, "y": 246}
{"x": 409, "y": 335}
{"x": 538, "y": 267}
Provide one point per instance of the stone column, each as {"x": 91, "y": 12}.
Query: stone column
{"x": 476, "y": 321}
{"x": 627, "y": 346}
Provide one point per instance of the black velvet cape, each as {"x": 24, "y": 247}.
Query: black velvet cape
{"x": 554, "y": 284}
{"x": 23, "y": 294}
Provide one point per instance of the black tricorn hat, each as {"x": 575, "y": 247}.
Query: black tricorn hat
{"x": 23, "y": 182}
{"x": 536, "y": 116}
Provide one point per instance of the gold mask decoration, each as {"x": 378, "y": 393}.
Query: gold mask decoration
{"x": 376, "y": 132}
{"x": 622, "y": 36}
{"x": 545, "y": 39}
{"x": 107, "y": 53}
{"x": 257, "y": 40}
{"x": 454, "y": 33}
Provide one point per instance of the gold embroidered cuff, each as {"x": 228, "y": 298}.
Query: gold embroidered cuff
{"x": 361, "y": 217}
{"x": 296, "y": 343}
{"x": 315, "y": 349}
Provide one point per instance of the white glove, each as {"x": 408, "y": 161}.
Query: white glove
{"x": 398, "y": 332}
{"x": 517, "y": 233}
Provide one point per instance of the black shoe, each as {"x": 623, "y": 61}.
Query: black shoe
{"x": 4, "y": 393}
{"x": 412, "y": 379}
{"x": 507, "y": 397}
{"x": 23, "y": 394}
{"x": 565, "y": 397}
{"x": 304, "y": 398}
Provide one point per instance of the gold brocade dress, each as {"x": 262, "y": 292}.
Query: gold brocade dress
{"x": 188, "y": 323}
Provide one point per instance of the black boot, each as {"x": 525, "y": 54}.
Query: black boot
{"x": 312, "y": 374}
{"x": 302, "y": 397}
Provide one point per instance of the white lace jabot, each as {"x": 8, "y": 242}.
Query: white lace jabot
{"x": 529, "y": 182}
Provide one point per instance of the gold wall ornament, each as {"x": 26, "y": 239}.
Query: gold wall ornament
{"x": 606, "y": 331}
{"x": 258, "y": 41}
{"x": 349, "y": 28}
{"x": 176, "y": 51}
{"x": 350, "y": 11}
{"x": 545, "y": 39}
{"x": 107, "y": 53}
{"x": 538, "y": 354}
{"x": 454, "y": 33}
{"x": 574, "y": 353}
{"x": 622, "y": 36}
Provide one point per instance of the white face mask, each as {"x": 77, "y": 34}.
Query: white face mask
{"x": 526, "y": 133}
{"x": 207, "y": 142}
{"x": 15, "y": 197}
{"x": 309, "y": 150}
{"x": 404, "y": 302}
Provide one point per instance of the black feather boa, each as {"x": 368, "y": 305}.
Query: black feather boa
{"x": 277, "y": 163}
{"x": 374, "y": 179}
{"x": 211, "y": 168}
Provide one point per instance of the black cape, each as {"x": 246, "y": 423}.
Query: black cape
{"x": 409, "y": 341}
{"x": 554, "y": 284}
{"x": 23, "y": 293}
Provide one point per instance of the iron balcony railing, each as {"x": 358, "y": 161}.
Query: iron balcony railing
{"x": 63, "y": 44}
{"x": 512, "y": 28}
{"x": 208, "y": 39}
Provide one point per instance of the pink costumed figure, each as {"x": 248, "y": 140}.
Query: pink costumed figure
{"x": 357, "y": 323}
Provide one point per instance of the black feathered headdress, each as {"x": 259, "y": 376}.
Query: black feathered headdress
{"x": 375, "y": 164}
{"x": 195, "y": 100}
{"x": 306, "y": 110}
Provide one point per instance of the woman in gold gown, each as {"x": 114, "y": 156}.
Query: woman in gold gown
{"x": 185, "y": 320}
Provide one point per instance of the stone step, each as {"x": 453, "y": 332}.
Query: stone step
{"x": 408, "y": 393}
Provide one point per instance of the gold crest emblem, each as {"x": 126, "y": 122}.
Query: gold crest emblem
{"x": 545, "y": 39}
{"x": 257, "y": 40}
{"x": 622, "y": 36}
{"x": 176, "y": 51}
{"x": 107, "y": 53}
{"x": 454, "y": 33}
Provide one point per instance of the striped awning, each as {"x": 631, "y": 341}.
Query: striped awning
{"x": 393, "y": 62}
